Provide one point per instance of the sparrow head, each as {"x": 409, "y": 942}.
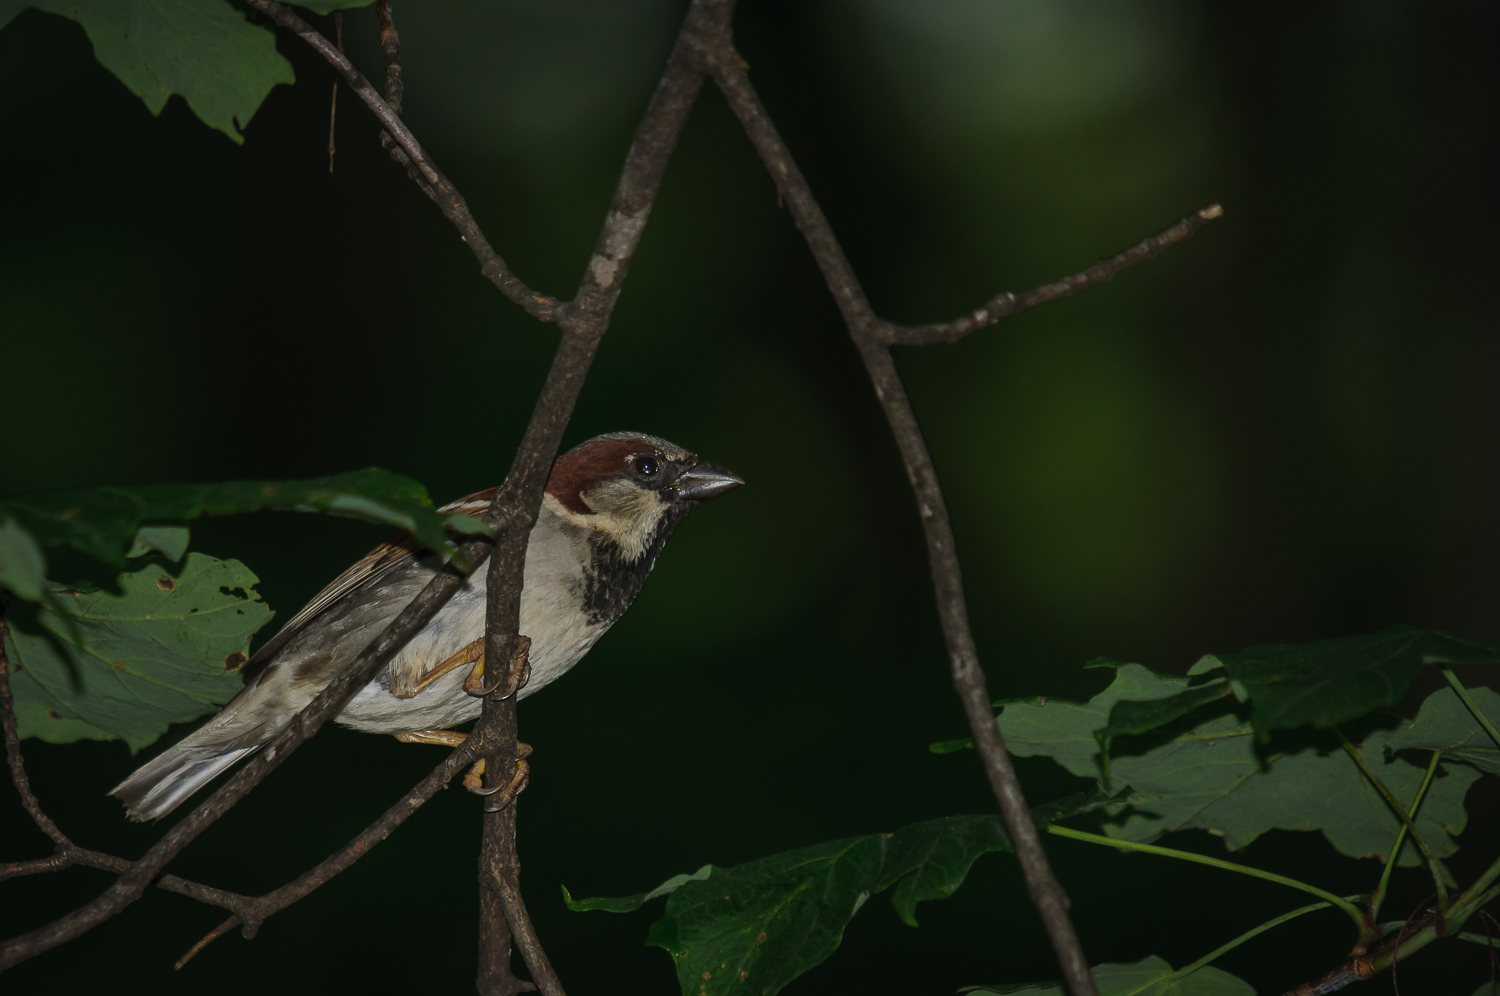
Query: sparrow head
{"x": 633, "y": 488}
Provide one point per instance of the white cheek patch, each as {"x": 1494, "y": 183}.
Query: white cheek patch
{"x": 624, "y": 512}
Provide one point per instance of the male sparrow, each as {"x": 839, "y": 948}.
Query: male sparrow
{"x": 609, "y": 506}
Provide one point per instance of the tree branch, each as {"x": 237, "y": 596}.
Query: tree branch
{"x": 13, "y": 752}
{"x": 128, "y": 888}
{"x": 873, "y": 337}
{"x": 390, "y": 50}
{"x": 1006, "y": 304}
{"x": 443, "y": 193}
{"x": 253, "y": 911}
{"x": 584, "y": 322}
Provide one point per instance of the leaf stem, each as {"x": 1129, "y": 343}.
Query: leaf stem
{"x": 1400, "y": 811}
{"x": 1203, "y": 859}
{"x": 1214, "y": 955}
{"x": 1462, "y": 910}
{"x": 1473, "y": 938}
{"x": 1378, "y": 896}
{"x": 1468, "y": 700}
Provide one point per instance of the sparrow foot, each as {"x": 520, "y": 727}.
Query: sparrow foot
{"x": 405, "y": 684}
{"x": 474, "y": 781}
{"x": 444, "y": 738}
{"x": 520, "y": 673}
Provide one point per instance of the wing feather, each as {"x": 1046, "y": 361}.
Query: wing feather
{"x": 368, "y": 569}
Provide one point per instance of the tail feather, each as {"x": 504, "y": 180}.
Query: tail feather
{"x": 158, "y": 786}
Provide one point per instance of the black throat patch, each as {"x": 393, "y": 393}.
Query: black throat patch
{"x": 611, "y": 582}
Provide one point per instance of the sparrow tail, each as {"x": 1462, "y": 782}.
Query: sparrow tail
{"x": 158, "y": 786}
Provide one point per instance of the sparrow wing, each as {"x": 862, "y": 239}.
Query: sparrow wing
{"x": 373, "y": 565}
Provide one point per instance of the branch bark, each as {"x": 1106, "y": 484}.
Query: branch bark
{"x": 437, "y": 186}
{"x": 129, "y": 887}
{"x": 873, "y": 337}
{"x": 1005, "y": 304}
{"x": 704, "y": 47}
{"x": 584, "y": 322}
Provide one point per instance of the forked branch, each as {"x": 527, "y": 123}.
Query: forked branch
{"x": 704, "y": 46}
{"x": 873, "y": 337}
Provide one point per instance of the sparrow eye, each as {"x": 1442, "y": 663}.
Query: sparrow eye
{"x": 646, "y": 466}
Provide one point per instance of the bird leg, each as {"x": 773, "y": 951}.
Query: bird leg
{"x": 444, "y": 738}
{"x": 474, "y": 777}
{"x": 520, "y": 673}
{"x": 474, "y": 780}
{"x": 468, "y": 654}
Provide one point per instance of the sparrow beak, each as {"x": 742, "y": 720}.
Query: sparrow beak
{"x": 703, "y": 481}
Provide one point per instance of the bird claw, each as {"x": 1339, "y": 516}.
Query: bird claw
{"x": 474, "y": 780}
{"x": 520, "y": 674}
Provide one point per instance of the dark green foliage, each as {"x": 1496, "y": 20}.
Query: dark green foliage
{"x": 1444, "y": 723}
{"x": 165, "y": 648}
{"x": 1207, "y": 772}
{"x": 114, "y": 524}
{"x": 1149, "y": 977}
{"x": 755, "y": 927}
{"x": 205, "y": 50}
{"x": 1334, "y": 681}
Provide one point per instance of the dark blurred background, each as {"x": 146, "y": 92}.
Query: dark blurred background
{"x": 1285, "y": 429}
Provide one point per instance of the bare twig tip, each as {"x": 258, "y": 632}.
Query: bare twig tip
{"x": 1211, "y": 212}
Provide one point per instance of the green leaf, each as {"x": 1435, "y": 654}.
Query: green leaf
{"x": 22, "y": 566}
{"x": 169, "y": 541}
{"x": 751, "y": 929}
{"x": 1334, "y": 681}
{"x": 205, "y": 50}
{"x": 951, "y": 746}
{"x": 1128, "y": 716}
{"x": 1150, "y": 977}
{"x": 165, "y": 648}
{"x": 1209, "y": 775}
{"x": 112, "y": 523}
{"x": 1444, "y": 723}
{"x": 629, "y": 904}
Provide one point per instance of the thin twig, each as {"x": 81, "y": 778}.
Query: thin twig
{"x": 129, "y": 887}
{"x": 333, "y": 107}
{"x": 443, "y": 193}
{"x": 254, "y": 911}
{"x": 67, "y": 853}
{"x": 13, "y": 751}
{"x": 1006, "y": 304}
{"x": 868, "y": 332}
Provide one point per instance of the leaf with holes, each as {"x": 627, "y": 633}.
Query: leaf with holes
{"x": 751, "y": 929}
{"x": 1444, "y": 723}
{"x": 165, "y": 648}
{"x": 205, "y": 50}
{"x": 1150, "y": 977}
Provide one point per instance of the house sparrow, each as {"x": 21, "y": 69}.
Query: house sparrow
{"x": 609, "y": 506}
